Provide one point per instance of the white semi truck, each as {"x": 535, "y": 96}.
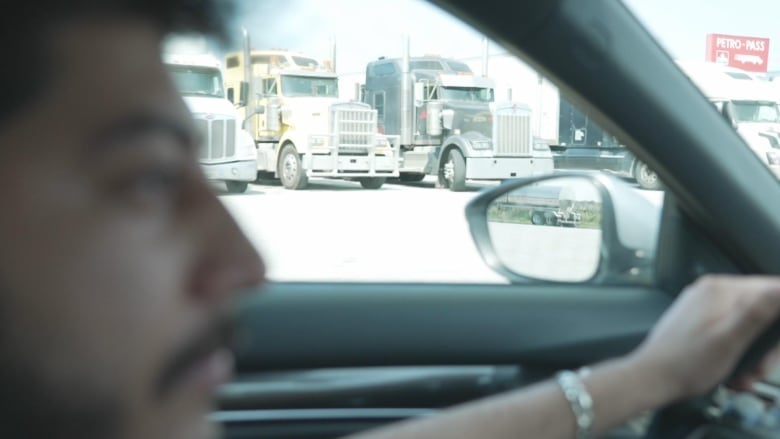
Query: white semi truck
{"x": 227, "y": 152}
{"x": 750, "y": 105}
{"x": 290, "y": 103}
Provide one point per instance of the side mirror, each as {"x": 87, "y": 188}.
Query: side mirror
{"x": 433, "y": 121}
{"x": 260, "y": 109}
{"x": 244, "y": 94}
{"x": 448, "y": 119}
{"x": 728, "y": 113}
{"x": 231, "y": 95}
{"x": 566, "y": 228}
{"x": 419, "y": 94}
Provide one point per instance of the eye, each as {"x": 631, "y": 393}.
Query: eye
{"x": 159, "y": 184}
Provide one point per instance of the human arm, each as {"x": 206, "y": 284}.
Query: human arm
{"x": 695, "y": 345}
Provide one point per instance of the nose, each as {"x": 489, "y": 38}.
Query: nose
{"x": 225, "y": 261}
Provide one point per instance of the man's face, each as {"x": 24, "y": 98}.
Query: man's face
{"x": 117, "y": 262}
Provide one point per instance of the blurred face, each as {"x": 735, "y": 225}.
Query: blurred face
{"x": 117, "y": 263}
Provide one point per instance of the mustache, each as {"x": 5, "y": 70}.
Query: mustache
{"x": 219, "y": 333}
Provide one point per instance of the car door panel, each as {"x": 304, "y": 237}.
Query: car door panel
{"x": 299, "y": 325}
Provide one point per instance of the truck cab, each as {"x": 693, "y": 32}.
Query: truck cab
{"x": 227, "y": 153}
{"x": 449, "y": 123}
{"x": 290, "y": 103}
{"x": 749, "y": 104}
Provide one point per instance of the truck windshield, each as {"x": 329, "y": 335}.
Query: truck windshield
{"x": 468, "y": 94}
{"x": 309, "y": 86}
{"x": 753, "y": 111}
{"x": 199, "y": 81}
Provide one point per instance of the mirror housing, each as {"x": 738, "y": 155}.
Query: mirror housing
{"x": 243, "y": 94}
{"x": 419, "y": 94}
{"x": 448, "y": 119}
{"x": 256, "y": 110}
{"x": 630, "y": 225}
{"x": 729, "y": 113}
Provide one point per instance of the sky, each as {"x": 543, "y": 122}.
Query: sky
{"x": 367, "y": 29}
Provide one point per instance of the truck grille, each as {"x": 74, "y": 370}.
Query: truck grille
{"x": 354, "y": 127}
{"x": 512, "y": 132}
{"x": 219, "y": 138}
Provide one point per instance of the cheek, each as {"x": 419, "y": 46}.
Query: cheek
{"x": 100, "y": 298}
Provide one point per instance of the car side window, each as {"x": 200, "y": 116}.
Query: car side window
{"x": 371, "y": 182}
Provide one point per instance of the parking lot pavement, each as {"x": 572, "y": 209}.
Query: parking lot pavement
{"x": 338, "y": 231}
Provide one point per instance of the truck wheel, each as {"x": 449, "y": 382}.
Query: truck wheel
{"x": 411, "y": 177}
{"x": 537, "y": 218}
{"x": 291, "y": 171}
{"x": 236, "y": 187}
{"x": 646, "y": 177}
{"x": 372, "y": 182}
{"x": 454, "y": 171}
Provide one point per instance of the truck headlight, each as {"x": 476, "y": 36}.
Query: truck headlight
{"x": 480, "y": 144}
{"x": 318, "y": 141}
{"x": 541, "y": 146}
{"x": 772, "y": 158}
{"x": 382, "y": 142}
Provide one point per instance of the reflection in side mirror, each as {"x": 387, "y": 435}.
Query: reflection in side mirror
{"x": 567, "y": 228}
{"x": 548, "y": 230}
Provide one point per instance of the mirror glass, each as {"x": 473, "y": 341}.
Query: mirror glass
{"x": 549, "y": 230}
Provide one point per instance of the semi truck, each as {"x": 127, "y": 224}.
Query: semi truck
{"x": 449, "y": 123}
{"x": 227, "y": 152}
{"x": 576, "y": 140}
{"x": 749, "y": 104}
{"x": 290, "y": 104}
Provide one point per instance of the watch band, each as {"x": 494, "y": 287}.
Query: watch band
{"x": 580, "y": 400}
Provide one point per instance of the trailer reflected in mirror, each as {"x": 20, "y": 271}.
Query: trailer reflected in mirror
{"x": 549, "y": 229}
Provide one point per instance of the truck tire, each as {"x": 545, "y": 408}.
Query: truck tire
{"x": 454, "y": 171}
{"x": 646, "y": 177}
{"x": 290, "y": 169}
{"x": 411, "y": 177}
{"x": 236, "y": 187}
{"x": 537, "y": 218}
{"x": 372, "y": 182}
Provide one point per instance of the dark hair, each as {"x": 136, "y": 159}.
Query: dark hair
{"x": 25, "y": 32}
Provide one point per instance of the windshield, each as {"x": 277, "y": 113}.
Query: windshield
{"x": 310, "y": 86}
{"x": 199, "y": 81}
{"x": 467, "y": 94}
{"x": 749, "y": 111}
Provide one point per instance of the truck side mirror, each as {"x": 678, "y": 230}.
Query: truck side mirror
{"x": 447, "y": 119}
{"x": 260, "y": 109}
{"x": 419, "y": 94}
{"x": 728, "y": 113}
{"x": 230, "y": 95}
{"x": 244, "y": 93}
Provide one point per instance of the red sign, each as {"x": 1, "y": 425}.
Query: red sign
{"x": 746, "y": 53}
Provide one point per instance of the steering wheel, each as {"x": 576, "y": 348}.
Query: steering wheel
{"x": 690, "y": 419}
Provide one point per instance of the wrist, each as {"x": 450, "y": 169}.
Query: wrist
{"x": 651, "y": 380}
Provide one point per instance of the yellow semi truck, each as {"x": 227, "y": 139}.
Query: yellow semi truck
{"x": 290, "y": 104}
